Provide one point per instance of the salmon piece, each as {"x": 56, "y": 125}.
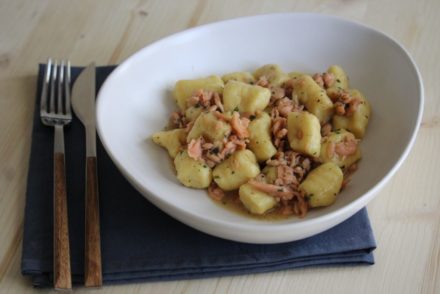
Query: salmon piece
{"x": 195, "y": 149}
{"x": 263, "y": 82}
{"x": 205, "y": 98}
{"x": 193, "y": 100}
{"x": 340, "y": 108}
{"x": 318, "y": 79}
{"x": 228, "y": 149}
{"x": 207, "y": 146}
{"x": 212, "y": 108}
{"x": 175, "y": 119}
{"x": 285, "y": 106}
{"x": 346, "y": 147}
{"x": 274, "y": 113}
{"x": 215, "y": 192}
{"x": 281, "y": 133}
{"x": 326, "y": 129}
{"x": 273, "y": 162}
{"x": 345, "y": 97}
{"x": 328, "y": 79}
{"x": 285, "y": 174}
{"x": 278, "y": 124}
{"x": 300, "y": 207}
{"x": 240, "y": 125}
{"x": 283, "y": 192}
{"x": 221, "y": 116}
{"x": 353, "y": 106}
{"x": 213, "y": 158}
{"x": 218, "y": 102}
{"x": 306, "y": 164}
{"x": 189, "y": 126}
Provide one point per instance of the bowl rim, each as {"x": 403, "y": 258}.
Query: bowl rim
{"x": 273, "y": 226}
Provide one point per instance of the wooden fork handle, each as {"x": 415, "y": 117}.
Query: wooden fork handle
{"x": 93, "y": 265}
{"x": 62, "y": 274}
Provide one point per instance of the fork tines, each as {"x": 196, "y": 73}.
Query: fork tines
{"x": 55, "y": 94}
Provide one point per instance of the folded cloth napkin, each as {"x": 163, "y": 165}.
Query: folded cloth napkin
{"x": 140, "y": 242}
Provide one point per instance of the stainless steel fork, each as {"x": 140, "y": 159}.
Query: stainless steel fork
{"x": 55, "y": 112}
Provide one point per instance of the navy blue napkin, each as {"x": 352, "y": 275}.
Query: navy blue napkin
{"x": 140, "y": 242}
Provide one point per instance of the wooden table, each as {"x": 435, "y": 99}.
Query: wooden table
{"x": 405, "y": 216}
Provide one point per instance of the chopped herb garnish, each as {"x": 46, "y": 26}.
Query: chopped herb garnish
{"x": 252, "y": 117}
{"x": 338, "y": 131}
{"x": 280, "y": 190}
{"x": 205, "y": 166}
{"x": 233, "y": 172}
{"x": 236, "y": 109}
{"x": 338, "y": 80}
{"x": 216, "y": 177}
{"x": 197, "y": 105}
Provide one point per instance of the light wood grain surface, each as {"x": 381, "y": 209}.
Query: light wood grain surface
{"x": 405, "y": 216}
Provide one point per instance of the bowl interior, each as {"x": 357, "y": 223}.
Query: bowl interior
{"x": 136, "y": 100}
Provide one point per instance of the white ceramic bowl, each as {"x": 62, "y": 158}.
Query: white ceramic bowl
{"x": 135, "y": 101}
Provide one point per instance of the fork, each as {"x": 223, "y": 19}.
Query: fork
{"x": 55, "y": 112}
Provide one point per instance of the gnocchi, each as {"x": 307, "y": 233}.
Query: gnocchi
{"x": 244, "y": 97}
{"x": 270, "y": 142}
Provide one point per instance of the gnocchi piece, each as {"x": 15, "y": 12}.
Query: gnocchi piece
{"x": 255, "y": 201}
{"x": 172, "y": 140}
{"x": 304, "y": 133}
{"x": 322, "y": 184}
{"x": 192, "y": 113}
{"x": 358, "y": 122}
{"x": 260, "y": 140}
{"x": 185, "y": 88}
{"x": 239, "y": 76}
{"x": 235, "y": 171}
{"x": 273, "y": 73}
{"x": 295, "y": 74}
{"x": 314, "y": 98}
{"x": 270, "y": 173}
{"x": 210, "y": 127}
{"x": 341, "y": 78}
{"x": 192, "y": 173}
{"x": 329, "y": 149}
{"x": 244, "y": 97}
